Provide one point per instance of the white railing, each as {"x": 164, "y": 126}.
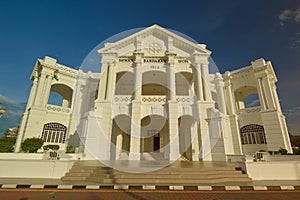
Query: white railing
{"x": 255, "y": 109}
{"x": 185, "y": 99}
{"x": 159, "y": 99}
{"x": 59, "y": 109}
{"x": 122, "y": 98}
{"x": 66, "y": 69}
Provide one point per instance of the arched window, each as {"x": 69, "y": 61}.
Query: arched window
{"x": 154, "y": 83}
{"x": 253, "y": 134}
{"x": 124, "y": 83}
{"x": 246, "y": 97}
{"x": 54, "y": 133}
{"x": 183, "y": 83}
{"x": 60, "y": 95}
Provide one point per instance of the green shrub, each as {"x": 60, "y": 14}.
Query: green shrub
{"x": 296, "y": 150}
{"x": 283, "y": 151}
{"x": 7, "y": 144}
{"x": 53, "y": 147}
{"x": 70, "y": 149}
{"x": 32, "y": 145}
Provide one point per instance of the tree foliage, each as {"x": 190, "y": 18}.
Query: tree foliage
{"x": 7, "y": 142}
{"x": 295, "y": 140}
{"x": 32, "y": 145}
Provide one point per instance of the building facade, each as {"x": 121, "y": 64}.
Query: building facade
{"x": 155, "y": 99}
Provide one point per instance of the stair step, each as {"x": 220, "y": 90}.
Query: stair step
{"x": 183, "y": 173}
{"x": 166, "y": 181}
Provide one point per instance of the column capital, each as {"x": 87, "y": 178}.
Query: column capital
{"x": 171, "y": 59}
{"x": 201, "y": 58}
{"x": 218, "y": 79}
{"x": 138, "y": 58}
{"x": 261, "y": 74}
{"x": 108, "y": 57}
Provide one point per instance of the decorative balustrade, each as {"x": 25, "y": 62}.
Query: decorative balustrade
{"x": 255, "y": 109}
{"x": 185, "y": 99}
{"x": 58, "y": 109}
{"x": 160, "y": 99}
{"x": 154, "y": 99}
{"x": 122, "y": 98}
{"x": 66, "y": 69}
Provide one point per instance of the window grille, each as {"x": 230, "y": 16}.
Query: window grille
{"x": 54, "y": 133}
{"x": 253, "y": 134}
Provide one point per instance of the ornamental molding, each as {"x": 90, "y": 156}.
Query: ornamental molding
{"x": 157, "y": 31}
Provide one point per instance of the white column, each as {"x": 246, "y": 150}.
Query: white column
{"x": 171, "y": 77}
{"x": 119, "y": 141}
{"x": 135, "y": 133}
{"x": 268, "y": 92}
{"x": 276, "y": 98}
{"x": 206, "y": 82}
{"x": 230, "y": 98}
{"x": 220, "y": 93}
{"x": 261, "y": 95}
{"x": 47, "y": 90}
{"x": 102, "y": 84}
{"x": 110, "y": 82}
{"x": 138, "y": 76}
{"x": 32, "y": 92}
{"x": 40, "y": 87}
{"x": 198, "y": 85}
{"x": 137, "y": 82}
{"x": 195, "y": 141}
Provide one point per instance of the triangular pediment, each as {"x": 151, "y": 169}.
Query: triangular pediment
{"x": 154, "y": 40}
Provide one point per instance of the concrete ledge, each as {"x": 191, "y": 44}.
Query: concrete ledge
{"x": 53, "y": 169}
{"x": 153, "y": 187}
{"x": 274, "y": 170}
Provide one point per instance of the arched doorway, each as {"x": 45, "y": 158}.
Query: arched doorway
{"x": 154, "y": 136}
{"x": 120, "y": 138}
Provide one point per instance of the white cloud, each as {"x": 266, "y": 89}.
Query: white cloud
{"x": 286, "y": 14}
{"x": 5, "y": 99}
{"x": 289, "y": 14}
{"x": 297, "y": 15}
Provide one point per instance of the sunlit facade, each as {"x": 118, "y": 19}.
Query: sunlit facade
{"x": 155, "y": 99}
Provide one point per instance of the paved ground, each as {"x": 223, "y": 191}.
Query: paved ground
{"x": 24, "y": 194}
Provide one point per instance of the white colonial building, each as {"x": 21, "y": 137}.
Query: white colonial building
{"x": 155, "y": 98}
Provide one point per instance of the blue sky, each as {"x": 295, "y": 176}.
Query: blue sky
{"x": 237, "y": 32}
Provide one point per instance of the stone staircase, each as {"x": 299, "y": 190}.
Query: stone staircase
{"x": 178, "y": 173}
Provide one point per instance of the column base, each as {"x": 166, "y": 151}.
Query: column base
{"x": 174, "y": 156}
{"x": 134, "y": 156}
{"x": 195, "y": 157}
